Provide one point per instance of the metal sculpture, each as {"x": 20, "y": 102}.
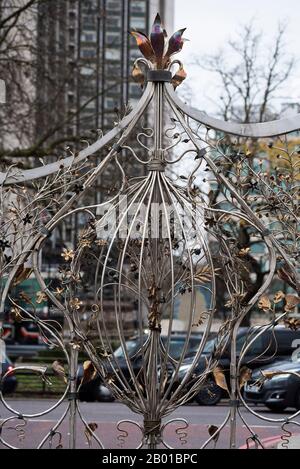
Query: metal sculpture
{"x": 157, "y": 239}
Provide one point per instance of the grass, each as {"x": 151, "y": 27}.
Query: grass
{"x": 31, "y": 383}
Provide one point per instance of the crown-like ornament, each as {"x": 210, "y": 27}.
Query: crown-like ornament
{"x": 158, "y": 50}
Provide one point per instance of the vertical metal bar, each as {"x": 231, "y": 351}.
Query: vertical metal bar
{"x": 72, "y": 395}
{"x": 152, "y": 373}
{"x": 233, "y": 390}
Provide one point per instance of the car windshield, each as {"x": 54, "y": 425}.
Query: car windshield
{"x": 175, "y": 348}
{"x": 132, "y": 347}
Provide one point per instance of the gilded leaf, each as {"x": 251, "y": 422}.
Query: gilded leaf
{"x": 157, "y": 38}
{"x": 179, "y": 77}
{"x": 89, "y": 430}
{"x": 144, "y": 45}
{"x": 175, "y": 44}
{"x": 15, "y": 314}
{"x": 220, "y": 378}
{"x": 204, "y": 274}
{"x": 212, "y": 431}
{"x": 41, "y": 297}
{"x": 264, "y": 303}
{"x": 292, "y": 323}
{"x": 23, "y": 273}
{"x": 245, "y": 376}
{"x": 279, "y": 296}
{"x": 244, "y": 252}
{"x": 23, "y": 296}
{"x": 89, "y": 372}
{"x": 138, "y": 75}
{"x": 59, "y": 370}
{"x": 291, "y": 302}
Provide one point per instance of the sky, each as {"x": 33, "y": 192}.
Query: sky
{"x": 210, "y": 23}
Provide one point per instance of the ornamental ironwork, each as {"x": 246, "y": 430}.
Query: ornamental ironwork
{"x": 161, "y": 237}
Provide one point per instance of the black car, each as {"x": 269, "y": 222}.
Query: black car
{"x": 273, "y": 344}
{"x": 278, "y": 393}
{"x": 94, "y": 390}
{"x": 9, "y": 383}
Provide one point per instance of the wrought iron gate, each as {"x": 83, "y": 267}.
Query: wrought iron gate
{"x": 157, "y": 238}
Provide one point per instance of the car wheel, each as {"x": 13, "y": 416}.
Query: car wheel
{"x": 210, "y": 394}
{"x": 276, "y": 407}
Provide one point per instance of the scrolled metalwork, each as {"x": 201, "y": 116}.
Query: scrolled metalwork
{"x": 166, "y": 232}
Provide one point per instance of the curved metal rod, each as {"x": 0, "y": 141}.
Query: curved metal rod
{"x": 180, "y": 431}
{"x": 15, "y": 176}
{"x": 3, "y": 423}
{"x": 93, "y": 434}
{"x": 259, "y": 130}
{"x": 135, "y": 424}
{"x": 56, "y": 426}
{"x": 221, "y": 427}
{"x": 254, "y": 437}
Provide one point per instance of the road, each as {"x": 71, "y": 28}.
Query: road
{"x": 106, "y": 415}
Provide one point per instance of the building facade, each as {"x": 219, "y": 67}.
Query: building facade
{"x": 85, "y": 47}
{"x": 85, "y": 60}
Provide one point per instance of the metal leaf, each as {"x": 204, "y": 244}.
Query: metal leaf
{"x": 279, "y": 296}
{"x": 158, "y": 40}
{"x": 291, "y": 302}
{"x": 204, "y": 274}
{"x": 59, "y": 370}
{"x": 89, "y": 372}
{"x": 220, "y": 378}
{"x": 264, "y": 303}
{"x": 144, "y": 45}
{"x": 179, "y": 77}
{"x": 138, "y": 75}
{"x": 23, "y": 273}
{"x": 245, "y": 376}
{"x": 175, "y": 44}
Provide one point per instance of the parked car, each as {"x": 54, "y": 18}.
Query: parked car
{"x": 278, "y": 393}
{"x": 269, "y": 347}
{"x": 95, "y": 390}
{"x": 9, "y": 384}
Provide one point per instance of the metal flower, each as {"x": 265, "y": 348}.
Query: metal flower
{"x": 67, "y": 254}
{"x": 41, "y": 297}
{"x": 75, "y": 303}
{"x": 158, "y": 50}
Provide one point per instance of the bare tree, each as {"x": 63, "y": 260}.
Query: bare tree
{"x": 36, "y": 120}
{"x": 250, "y": 75}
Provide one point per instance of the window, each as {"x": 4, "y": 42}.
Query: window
{"x": 86, "y": 71}
{"x": 138, "y": 6}
{"x": 113, "y": 38}
{"x": 110, "y": 103}
{"x": 138, "y": 22}
{"x": 88, "y": 53}
{"x": 90, "y": 36}
{"x": 113, "y": 5}
{"x": 89, "y": 22}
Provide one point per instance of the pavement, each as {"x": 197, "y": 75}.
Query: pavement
{"x": 106, "y": 416}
